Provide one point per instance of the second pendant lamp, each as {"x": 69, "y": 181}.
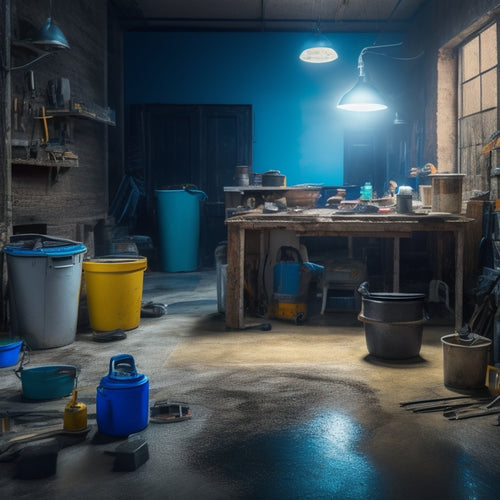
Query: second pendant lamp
{"x": 318, "y": 50}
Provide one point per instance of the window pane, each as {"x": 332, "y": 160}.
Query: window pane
{"x": 489, "y": 89}
{"x": 470, "y": 59}
{"x": 471, "y": 97}
{"x": 489, "y": 48}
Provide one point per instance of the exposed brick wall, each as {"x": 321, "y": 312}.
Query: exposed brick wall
{"x": 63, "y": 198}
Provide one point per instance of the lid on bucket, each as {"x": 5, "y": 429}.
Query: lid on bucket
{"x": 396, "y": 296}
{"x": 41, "y": 245}
{"x": 122, "y": 372}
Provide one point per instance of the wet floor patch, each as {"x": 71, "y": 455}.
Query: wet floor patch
{"x": 320, "y": 459}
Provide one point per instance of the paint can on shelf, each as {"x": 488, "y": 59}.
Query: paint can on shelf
{"x": 241, "y": 175}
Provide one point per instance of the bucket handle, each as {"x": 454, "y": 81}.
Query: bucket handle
{"x": 125, "y": 360}
{"x": 201, "y": 194}
{"x": 26, "y": 354}
{"x": 62, "y": 261}
{"x": 67, "y": 370}
{"x": 285, "y": 254}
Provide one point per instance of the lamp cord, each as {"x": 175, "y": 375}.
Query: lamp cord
{"x": 361, "y": 64}
{"x": 31, "y": 62}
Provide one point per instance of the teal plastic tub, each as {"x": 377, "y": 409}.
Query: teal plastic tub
{"x": 47, "y": 382}
{"x": 179, "y": 228}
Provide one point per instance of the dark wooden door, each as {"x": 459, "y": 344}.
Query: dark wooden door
{"x": 198, "y": 145}
{"x": 365, "y": 158}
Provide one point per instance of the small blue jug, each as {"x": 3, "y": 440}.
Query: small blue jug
{"x": 122, "y": 404}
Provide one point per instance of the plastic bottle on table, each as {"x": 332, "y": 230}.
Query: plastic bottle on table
{"x": 366, "y": 191}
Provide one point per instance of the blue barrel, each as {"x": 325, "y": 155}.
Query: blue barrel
{"x": 122, "y": 403}
{"x": 179, "y": 228}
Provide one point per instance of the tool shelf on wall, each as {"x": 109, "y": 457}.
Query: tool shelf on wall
{"x": 79, "y": 109}
{"x": 66, "y": 163}
{"x": 35, "y": 155}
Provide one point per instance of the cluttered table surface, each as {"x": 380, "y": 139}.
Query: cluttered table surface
{"x": 331, "y": 222}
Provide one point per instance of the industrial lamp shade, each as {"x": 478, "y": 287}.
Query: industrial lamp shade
{"x": 50, "y": 37}
{"x": 362, "y": 97}
{"x": 319, "y": 50}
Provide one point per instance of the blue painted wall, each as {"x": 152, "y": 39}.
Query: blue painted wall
{"x": 297, "y": 127}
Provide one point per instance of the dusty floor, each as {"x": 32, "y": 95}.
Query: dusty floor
{"x": 301, "y": 411}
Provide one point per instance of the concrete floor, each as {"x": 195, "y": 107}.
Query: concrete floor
{"x": 301, "y": 411}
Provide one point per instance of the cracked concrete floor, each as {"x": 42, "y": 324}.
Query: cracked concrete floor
{"x": 301, "y": 411}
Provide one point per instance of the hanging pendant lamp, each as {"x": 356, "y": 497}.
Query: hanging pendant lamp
{"x": 363, "y": 96}
{"x": 319, "y": 50}
{"x": 50, "y": 37}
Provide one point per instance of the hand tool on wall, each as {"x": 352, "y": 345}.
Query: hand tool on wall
{"x": 16, "y": 117}
{"x": 30, "y": 76}
{"x": 23, "y": 111}
{"x": 44, "y": 119}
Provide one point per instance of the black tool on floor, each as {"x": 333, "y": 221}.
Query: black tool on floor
{"x": 110, "y": 336}
{"x": 130, "y": 455}
{"x": 153, "y": 310}
{"x": 11, "y": 447}
{"x": 38, "y": 460}
{"x": 165, "y": 412}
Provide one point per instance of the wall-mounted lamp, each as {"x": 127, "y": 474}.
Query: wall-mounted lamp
{"x": 318, "y": 50}
{"x": 364, "y": 96}
{"x": 49, "y": 38}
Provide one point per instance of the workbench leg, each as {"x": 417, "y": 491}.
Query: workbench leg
{"x": 459, "y": 277}
{"x": 235, "y": 297}
{"x": 395, "y": 264}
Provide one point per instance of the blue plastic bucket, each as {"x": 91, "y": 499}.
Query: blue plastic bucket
{"x": 287, "y": 277}
{"x": 179, "y": 228}
{"x": 122, "y": 403}
{"x": 9, "y": 352}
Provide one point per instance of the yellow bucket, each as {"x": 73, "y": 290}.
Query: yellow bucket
{"x": 114, "y": 292}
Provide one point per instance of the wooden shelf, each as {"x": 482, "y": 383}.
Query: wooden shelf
{"x": 80, "y": 110}
{"x": 32, "y": 162}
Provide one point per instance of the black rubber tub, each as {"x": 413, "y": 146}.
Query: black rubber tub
{"x": 393, "y": 324}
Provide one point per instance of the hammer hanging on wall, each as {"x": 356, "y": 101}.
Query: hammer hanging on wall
{"x": 44, "y": 118}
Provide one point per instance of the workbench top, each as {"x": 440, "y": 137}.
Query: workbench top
{"x": 327, "y": 216}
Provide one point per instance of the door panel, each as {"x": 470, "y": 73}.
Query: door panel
{"x": 200, "y": 145}
{"x": 225, "y": 143}
{"x": 365, "y": 158}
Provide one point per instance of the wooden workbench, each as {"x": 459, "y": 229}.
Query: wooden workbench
{"x": 327, "y": 222}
